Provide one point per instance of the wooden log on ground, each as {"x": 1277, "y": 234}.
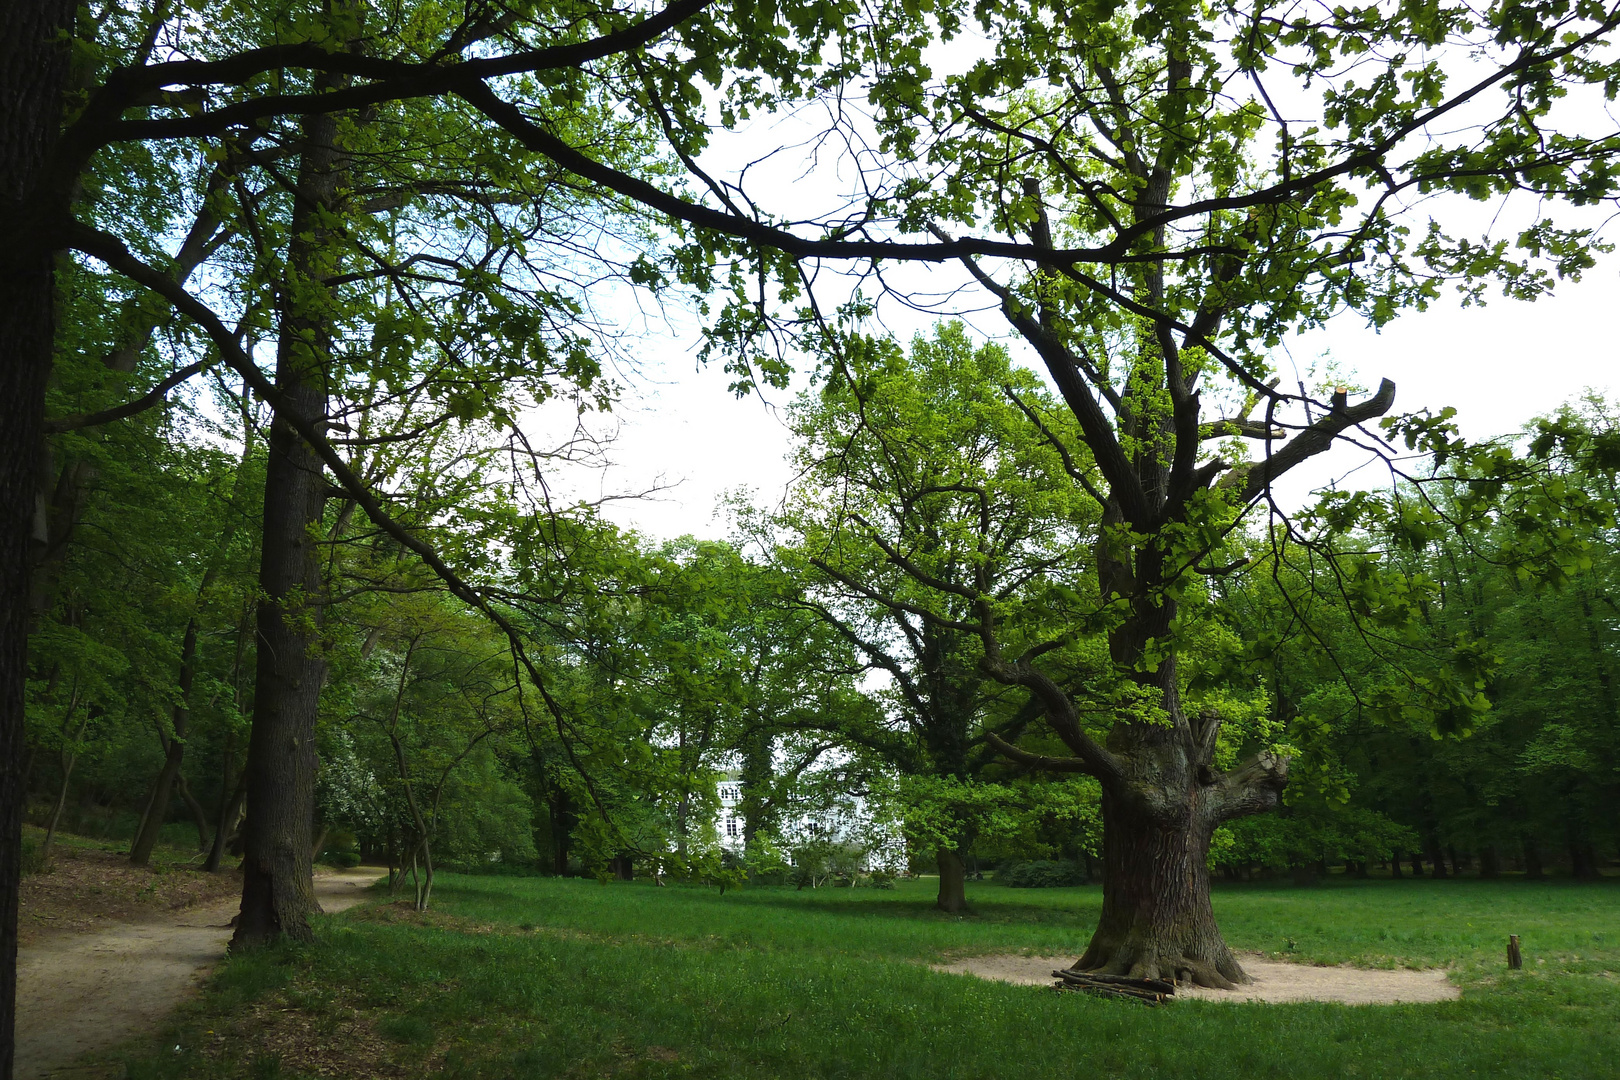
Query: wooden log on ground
{"x": 1102, "y": 990}
{"x": 1161, "y": 986}
{"x": 1147, "y": 991}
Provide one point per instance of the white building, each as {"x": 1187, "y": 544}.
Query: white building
{"x": 729, "y": 826}
{"x": 850, "y": 824}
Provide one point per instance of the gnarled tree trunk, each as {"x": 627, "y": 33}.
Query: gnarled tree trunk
{"x": 1157, "y": 921}
{"x": 1162, "y": 799}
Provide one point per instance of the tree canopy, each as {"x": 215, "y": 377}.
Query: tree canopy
{"x": 329, "y": 258}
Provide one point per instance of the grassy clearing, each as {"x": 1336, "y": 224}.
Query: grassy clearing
{"x": 532, "y": 978}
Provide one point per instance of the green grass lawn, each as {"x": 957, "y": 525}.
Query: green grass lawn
{"x": 537, "y": 977}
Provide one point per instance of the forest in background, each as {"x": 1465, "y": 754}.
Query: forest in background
{"x": 757, "y": 662}
{"x": 305, "y": 303}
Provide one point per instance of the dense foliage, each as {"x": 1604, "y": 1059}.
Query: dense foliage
{"x": 279, "y": 528}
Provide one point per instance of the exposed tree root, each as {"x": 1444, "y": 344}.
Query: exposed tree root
{"x": 1221, "y": 972}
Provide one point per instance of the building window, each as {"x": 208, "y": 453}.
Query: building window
{"x": 731, "y": 826}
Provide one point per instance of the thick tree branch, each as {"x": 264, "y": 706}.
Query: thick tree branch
{"x": 1060, "y": 714}
{"x": 1315, "y": 439}
{"x": 1252, "y": 788}
{"x": 1036, "y": 761}
{"x": 1105, "y": 449}
{"x": 538, "y": 139}
{"x": 1243, "y": 427}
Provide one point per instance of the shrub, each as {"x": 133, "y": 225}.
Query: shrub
{"x": 826, "y": 862}
{"x": 33, "y": 857}
{"x": 1040, "y": 874}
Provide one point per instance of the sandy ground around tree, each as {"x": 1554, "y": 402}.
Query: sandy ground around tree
{"x": 1273, "y": 982}
{"x": 80, "y": 993}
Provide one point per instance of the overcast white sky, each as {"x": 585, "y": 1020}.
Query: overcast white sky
{"x": 1499, "y": 366}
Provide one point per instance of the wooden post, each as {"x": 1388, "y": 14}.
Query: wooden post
{"x": 1515, "y": 961}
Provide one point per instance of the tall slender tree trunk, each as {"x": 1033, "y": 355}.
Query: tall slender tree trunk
{"x": 952, "y": 881}
{"x": 758, "y": 770}
{"x": 563, "y": 820}
{"x": 69, "y": 758}
{"x": 1583, "y": 864}
{"x": 1437, "y": 860}
{"x": 34, "y": 38}
{"x": 231, "y": 804}
{"x": 174, "y": 752}
{"x": 169, "y": 776}
{"x": 199, "y": 816}
{"x": 1532, "y": 858}
{"x": 230, "y": 810}
{"x": 278, "y": 893}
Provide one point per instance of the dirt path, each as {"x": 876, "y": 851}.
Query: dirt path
{"x": 85, "y": 992}
{"x": 1273, "y": 982}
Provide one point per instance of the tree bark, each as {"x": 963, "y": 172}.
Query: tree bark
{"x": 1162, "y": 800}
{"x": 68, "y": 761}
{"x": 1157, "y": 921}
{"x": 278, "y": 892}
{"x": 69, "y": 758}
{"x": 33, "y": 76}
{"x": 170, "y": 776}
{"x": 199, "y": 816}
{"x": 952, "y": 881}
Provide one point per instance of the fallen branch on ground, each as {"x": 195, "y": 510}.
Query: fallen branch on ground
{"x": 1149, "y": 991}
